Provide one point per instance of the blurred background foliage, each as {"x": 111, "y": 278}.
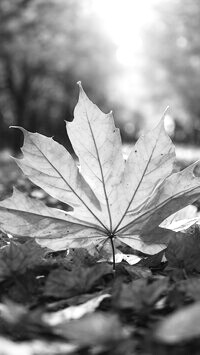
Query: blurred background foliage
{"x": 48, "y": 45}
{"x": 172, "y": 47}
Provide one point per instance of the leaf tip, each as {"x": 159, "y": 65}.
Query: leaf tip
{"x": 164, "y": 115}
{"x": 19, "y": 127}
{"x": 80, "y": 87}
{"x": 81, "y": 91}
{"x": 166, "y": 111}
{"x": 13, "y": 126}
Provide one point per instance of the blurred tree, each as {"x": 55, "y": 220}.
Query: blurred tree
{"x": 172, "y": 49}
{"x": 46, "y": 47}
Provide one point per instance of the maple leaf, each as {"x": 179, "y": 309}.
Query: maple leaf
{"x": 112, "y": 199}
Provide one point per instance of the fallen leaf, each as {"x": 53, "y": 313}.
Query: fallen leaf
{"x": 182, "y": 325}
{"x": 74, "y": 312}
{"x": 65, "y": 284}
{"x": 189, "y": 288}
{"x": 138, "y": 294}
{"x": 21, "y": 323}
{"x": 17, "y": 258}
{"x": 35, "y": 347}
{"x": 131, "y": 259}
{"x": 182, "y": 219}
{"x": 12, "y": 312}
{"x": 80, "y": 257}
{"x": 153, "y": 261}
{"x": 135, "y": 272}
{"x": 112, "y": 200}
{"x": 183, "y": 251}
{"x": 93, "y": 329}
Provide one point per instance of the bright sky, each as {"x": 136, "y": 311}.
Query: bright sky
{"x": 124, "y": 21}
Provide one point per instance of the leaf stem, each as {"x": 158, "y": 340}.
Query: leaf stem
{"x": 113, "y": 250}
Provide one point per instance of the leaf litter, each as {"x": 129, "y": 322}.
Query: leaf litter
{"x": 56, "y": 268}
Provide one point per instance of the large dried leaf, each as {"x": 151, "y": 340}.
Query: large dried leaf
{"x": 111, "y": 199}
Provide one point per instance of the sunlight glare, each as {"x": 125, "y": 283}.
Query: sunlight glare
{"x": 124, "y": 21}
